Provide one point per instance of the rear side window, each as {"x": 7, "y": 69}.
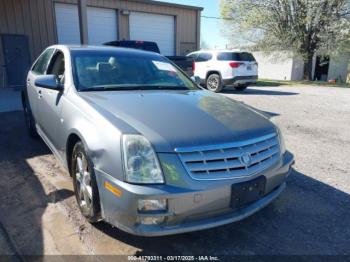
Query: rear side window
{"x": 193, "y": 56}
{"x": 43, "y": 61}
{"x": 228, "y": 56}
{"x": 247, "y": 57}
{"x": 204, "y": 57}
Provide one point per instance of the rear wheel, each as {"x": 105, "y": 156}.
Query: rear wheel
{"x": 214, "y": 83}
{"x": 29, "y": 120}
{"x": 241, "y": 87}
{"x": 85, "y": 185}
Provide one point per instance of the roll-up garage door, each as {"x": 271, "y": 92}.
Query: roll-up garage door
{"x": 102, "y": 24}
{"x": 154, "y": 27}
{"x": 67, "y": 22}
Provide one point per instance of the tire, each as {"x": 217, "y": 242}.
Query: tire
{"x": 30, "y": 122}
{"x": 214, "y": 83}
{"x": 85, "y": 185}
{"x": 241, "y": 87}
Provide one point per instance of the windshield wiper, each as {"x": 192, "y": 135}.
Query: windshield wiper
{"x": 160, "y": 87}
{"x": 127, "y": 88}
{"x": 104, "y": 88}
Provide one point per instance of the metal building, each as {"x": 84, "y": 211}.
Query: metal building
{"x": 28, "y": 26}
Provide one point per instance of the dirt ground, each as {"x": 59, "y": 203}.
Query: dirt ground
{"x": 38, "y": 213}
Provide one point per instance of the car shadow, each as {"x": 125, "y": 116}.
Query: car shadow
{"x": 254, "y": 91}
{"x": 23, "y": 199}
{"x": 271, "y": 83}
{"x": 308, "y": 218}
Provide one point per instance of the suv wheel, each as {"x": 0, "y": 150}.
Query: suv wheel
{"x": 241, "y": 87}
{"x": 30, "y": 122}
{"x": 85, "y": 185}
{"x": 214, "y": 83}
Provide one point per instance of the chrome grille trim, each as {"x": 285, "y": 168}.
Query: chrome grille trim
{"x": 223, "y": 161}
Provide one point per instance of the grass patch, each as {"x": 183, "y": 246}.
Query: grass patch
{"x": 267, "y": 82}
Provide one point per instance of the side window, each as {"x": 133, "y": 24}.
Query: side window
{"x": 193, "y": 56}
{"x": 43, "y": 61}
{"x": 228, "y": 56}
{"x": 204, "y": 57}
{"x": 56, "y": 66}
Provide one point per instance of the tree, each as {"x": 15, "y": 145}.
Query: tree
{"x": 305, "y": 27}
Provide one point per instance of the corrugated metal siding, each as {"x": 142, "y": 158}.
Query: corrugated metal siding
{"x": 33, "y": 18}
{"x": 36, "y": 19}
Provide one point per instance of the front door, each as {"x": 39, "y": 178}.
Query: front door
{"x": 51, "y": 102}
{"x": 17, "y": 58}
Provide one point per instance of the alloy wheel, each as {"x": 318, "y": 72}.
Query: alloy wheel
{"x": 83, "y": 183}
{"x": 213, "y": 83}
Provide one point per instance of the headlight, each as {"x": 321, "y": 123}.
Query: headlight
{"x": 281, "y": 139}
{"x": 141, "y": 164}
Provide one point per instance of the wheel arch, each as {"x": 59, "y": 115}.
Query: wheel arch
{"x": 212, "y": 72}
{"x": 73, "y": 138}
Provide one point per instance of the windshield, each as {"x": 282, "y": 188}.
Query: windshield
{"x": 96, "y": 70}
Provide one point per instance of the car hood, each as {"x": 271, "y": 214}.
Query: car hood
{"x": 181, "y": 119}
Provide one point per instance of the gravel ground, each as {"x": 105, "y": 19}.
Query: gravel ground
{"x": 310, "y": 217}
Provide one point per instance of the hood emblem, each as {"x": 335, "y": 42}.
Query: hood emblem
{"x": 246, "y": 159}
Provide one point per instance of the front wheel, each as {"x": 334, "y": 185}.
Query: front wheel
{"x": 85, "y": 185}
{"x": 214, "y": 83}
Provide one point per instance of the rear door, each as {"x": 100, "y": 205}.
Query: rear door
{"x": 34, "y": 92}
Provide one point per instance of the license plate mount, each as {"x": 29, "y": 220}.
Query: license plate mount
{"x": 247, "y": 192}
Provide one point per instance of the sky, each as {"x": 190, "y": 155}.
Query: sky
{"x": 210, "y": 28}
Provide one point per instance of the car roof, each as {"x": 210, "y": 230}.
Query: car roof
{"x": 222, "y": 51}
{"x": 103, "y": 48}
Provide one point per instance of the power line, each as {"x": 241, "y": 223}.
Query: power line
{"x": 216, "y": 17}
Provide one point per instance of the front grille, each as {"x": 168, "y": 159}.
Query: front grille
{"x": 225, "y": 161}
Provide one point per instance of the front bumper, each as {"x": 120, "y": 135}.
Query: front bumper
{"x": 192, "y": 205}
{"x": 240, "y": 80}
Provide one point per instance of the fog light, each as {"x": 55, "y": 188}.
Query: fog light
{"x": 151, "y": 220}
{"x": 152, "y": 205}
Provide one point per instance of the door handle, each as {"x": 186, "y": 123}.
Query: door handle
{"x": 40, "y": 95}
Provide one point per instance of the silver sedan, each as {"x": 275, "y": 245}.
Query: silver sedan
{"x": 149, "y": 150}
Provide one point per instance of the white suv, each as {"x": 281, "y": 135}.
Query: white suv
{"x": 217, "y": 69}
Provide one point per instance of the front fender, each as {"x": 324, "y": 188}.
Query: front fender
{"x": 100, "y": 138}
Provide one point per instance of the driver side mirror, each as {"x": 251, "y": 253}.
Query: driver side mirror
{"x": 196, "y": 79}
{"x": 49, "y": 82}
